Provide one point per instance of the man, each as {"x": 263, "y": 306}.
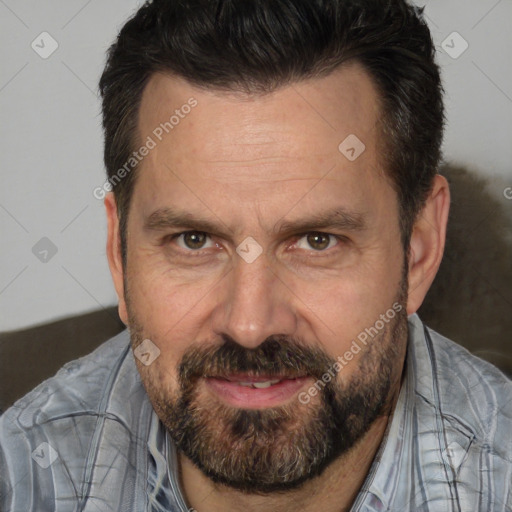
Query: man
{"x": 275, "y": 223}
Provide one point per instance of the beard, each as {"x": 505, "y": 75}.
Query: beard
{"x": 277, "y": 448}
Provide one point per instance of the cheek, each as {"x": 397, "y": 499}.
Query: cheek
{"x": 173, "y": 313}
{"x": 345, "y": 304}
{"x": 164, "y": 299}
{"x": 161, "y": 383}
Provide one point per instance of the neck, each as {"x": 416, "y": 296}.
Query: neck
{"x": 333, "y": 491}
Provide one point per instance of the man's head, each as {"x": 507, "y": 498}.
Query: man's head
{"x": 285, "y": 213}
{"x": 257, "y": 47}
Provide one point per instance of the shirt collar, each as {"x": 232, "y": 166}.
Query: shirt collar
{"x": 421, "y": 451}
{"x": 392, "y": 458}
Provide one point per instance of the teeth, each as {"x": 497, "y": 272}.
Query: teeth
{"x": 260, "y": 385}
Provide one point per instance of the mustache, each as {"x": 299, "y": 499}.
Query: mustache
{"x": 276, "y": 356}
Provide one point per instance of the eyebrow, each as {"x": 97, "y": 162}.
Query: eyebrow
{"x": 166, "y": 218}
{"x": 338, "y": 218}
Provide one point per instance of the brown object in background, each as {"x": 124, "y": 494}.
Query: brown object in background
{"x": 29, "y": 356}
{"x": 470, "y": 300}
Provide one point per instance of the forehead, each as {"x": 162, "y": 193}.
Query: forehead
{"x": 255, "y": 146}
{"x": 327, "y": 108}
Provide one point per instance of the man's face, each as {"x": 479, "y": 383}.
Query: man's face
{"x": 257, "y": 251}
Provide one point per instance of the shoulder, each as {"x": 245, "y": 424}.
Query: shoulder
{"x": 76, "y": 388}
{"x": 90, "y": 403}
{"x": 471, "y": 394}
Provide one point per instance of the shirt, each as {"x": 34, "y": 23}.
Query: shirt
{"x": 89, "y": 440}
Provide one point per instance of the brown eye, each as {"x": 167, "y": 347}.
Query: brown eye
{"x": 193, "y": 240}
{"x": 318, "y": 241}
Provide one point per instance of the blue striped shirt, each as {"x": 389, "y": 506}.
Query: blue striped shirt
{"x": 88, "y": 439}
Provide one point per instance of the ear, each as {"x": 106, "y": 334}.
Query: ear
{"x": 427, "y": 243}
{"x": 115, "y": 260}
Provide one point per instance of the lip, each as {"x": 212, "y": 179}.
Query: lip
{"x": 231, "y": 392}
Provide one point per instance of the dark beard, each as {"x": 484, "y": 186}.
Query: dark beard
{"x": 277, "y": 449}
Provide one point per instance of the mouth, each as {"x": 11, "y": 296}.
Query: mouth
{"x": 255, "y": 391}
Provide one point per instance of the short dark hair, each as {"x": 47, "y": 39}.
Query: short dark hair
{"x": 256, "y": 46}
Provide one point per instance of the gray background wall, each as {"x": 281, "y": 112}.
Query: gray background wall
{"x": 52, "y": 256}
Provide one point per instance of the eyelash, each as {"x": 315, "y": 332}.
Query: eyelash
{"x": 189, "y": 251}
{"x": 200, "y": 252}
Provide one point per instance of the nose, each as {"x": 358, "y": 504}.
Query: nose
{"x": 254, "y": 304}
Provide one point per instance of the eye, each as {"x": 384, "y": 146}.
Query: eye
{"x": 317, "y": 241}
{"x": 193, "y": 240}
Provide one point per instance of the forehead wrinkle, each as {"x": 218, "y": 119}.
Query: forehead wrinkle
{"x": 250, "y": 161}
